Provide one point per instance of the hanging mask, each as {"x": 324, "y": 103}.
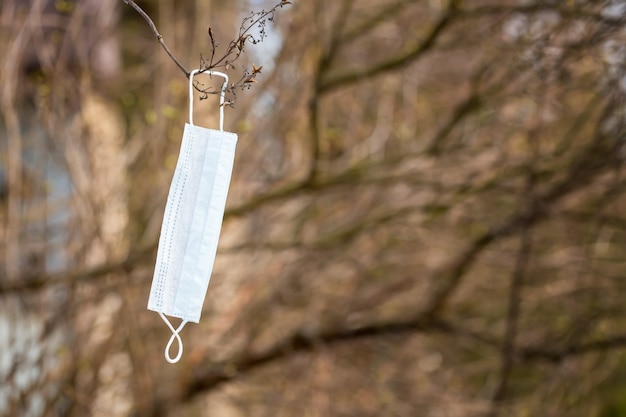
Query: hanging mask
{"x": 192, "y": 222}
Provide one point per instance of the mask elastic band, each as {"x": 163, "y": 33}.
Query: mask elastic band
{"x": 222, "y": 94}
{"x": 175, "y": 336}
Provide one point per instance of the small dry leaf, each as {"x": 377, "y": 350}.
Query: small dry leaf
{"x": 240, "y": 42}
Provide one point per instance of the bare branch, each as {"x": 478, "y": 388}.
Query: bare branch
{"x": 157, "y": 35}
{"x": 233, "y": 52}
{"x": 557, "y": 355}
{"x": 236, "y": 48}
{"x": 394, "y": 63}
{"x": 512, "y": 321}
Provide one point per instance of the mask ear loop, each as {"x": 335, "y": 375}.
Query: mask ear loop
{"x": 222, "y": 94}
{"x": 175, "y": 336}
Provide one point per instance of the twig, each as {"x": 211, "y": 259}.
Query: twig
{"x": 236, "y": 48}
{"x": 157, "y": 35}
{"x": 232, "y": 53}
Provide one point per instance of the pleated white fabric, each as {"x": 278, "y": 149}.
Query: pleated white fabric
{"x": 192, "y": 222}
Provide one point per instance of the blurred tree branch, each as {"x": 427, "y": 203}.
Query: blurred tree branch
{"x": 446, "y": 17}
{"x": 509, "y": 348}
{"x": 209, "y": 378}
{"x": 600, "y": 155}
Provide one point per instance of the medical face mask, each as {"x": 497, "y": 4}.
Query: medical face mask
{"x": 192, "y": 221}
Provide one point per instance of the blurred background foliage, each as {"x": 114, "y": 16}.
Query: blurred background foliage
{"x": 426, "y": 215}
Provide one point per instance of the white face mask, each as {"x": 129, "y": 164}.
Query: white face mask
{"x": 192, "y": 222}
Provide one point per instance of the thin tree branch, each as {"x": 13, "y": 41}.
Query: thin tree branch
{"x": 41, "y": 281}
{"x": 567, "y": 12}
{"x": 394, "y": 63}
{"x": 157, "y": 35}
{"x": 232, "y": 53}
{"x": 219, "y": 374}
{"x": 383, "y": 16}
{"x": 558, "y": 355}
{"x": 512, "y": 320}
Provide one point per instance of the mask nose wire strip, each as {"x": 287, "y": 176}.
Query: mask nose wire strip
{"x": 175, "y": 336}
{"x": 222, "y": 94}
